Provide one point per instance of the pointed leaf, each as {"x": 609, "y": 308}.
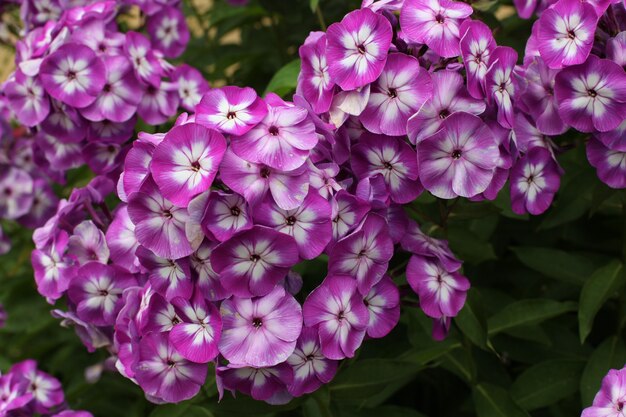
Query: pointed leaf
{"x": 493, "y": 401}
{"x": 527, "y": 312}
{"x": 471, "y": 319}
{"x": 555, "y": 263}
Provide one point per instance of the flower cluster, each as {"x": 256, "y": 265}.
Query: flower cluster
{"x": 610, "y": 401}
{"x": 81, "y": 84}
{"x": 28, "y": 391}
{"x": 26, "y": 194}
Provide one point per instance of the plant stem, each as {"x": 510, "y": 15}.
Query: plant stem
{"x": 320, "y": 17}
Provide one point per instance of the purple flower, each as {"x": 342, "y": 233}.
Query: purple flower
{"x": 145, "y": 63}
{"x": 610, "y": 400}
{"x": 191, "y": 86}
{"x": 616, "y": 49}
{"x": 282, "y": 140}
{"x": 337, "y": 311}
{"x": 170, "y": 278}
{"x": 476, "y": 45}
{"x": 164, "y": 374}
{"x": 120, "y": 94}
{"x": 168, "y": 31}
{"x": 399, "y": 92}
{"x": 73, "y": 74}
{"x": 253, "y": 181}
{"x": 441, "y": 293}
{"x": 262, "y": 331}
{"x": 538, "y": 98}
{"x": 27, "y": 98}
{"x": 121, "y": 240}
{"x": 87, "y": 244}
{"x": 394, "y": 159}
{"x": 65, "y": 123}
{"x": 252, "y": 262}
{"x": 347, "y": 213}
{"x": 311, "y": 368}
{"x": 197, "y": 336}
{"x": 435, "y": 23}
{"x": 45, "y": 389}
{"x": 92, "y": 337}
{"x": 592, "y": 96}
{"x": 357, "y": 48}
{"x": 97, "y": 292}
{"x": 207, "y": 280}
{"x": 419, "y": 243}
{"x": 231, "y": 110}
{"x": 12, "y": 394}
{"x": 566, "y": 32}
{"x": 158, "y": 103}
{"x": 314, "y": 78}
{"x": 16, "y": 191}
{"x": 460, "y": 159}
{"x": 449, "y": 96}
{"x": 500, "y": 84}
{"x": 52, "y": 271}
{"x": 263, "y": 384}
{"x": 185, "y": 163}
{"x": 225, "y": 215}
{"x": 610, "y": 163}
{"x": 309, "y": 224}
{"x": 159, "y": 224}
{"x": 534, "y": 181}
{"x": 383, "y": 304}
{"x": 72, "y": 413}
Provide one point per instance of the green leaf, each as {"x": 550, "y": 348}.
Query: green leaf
{"x": 471, "y": 319}
{"x": 285, "y": 80}
{"x": 546, "y": 383}
{"x": 598, "y": 288}
{"x": 527, "y": 312}
{"x": 184, "y": 409}
{"x": 555, "y": 263}
{"x": 611, "y": 354}
{"x": 493, "y": 401}
{"x": 469, "y": 246}
{"x": 386, "y": 411}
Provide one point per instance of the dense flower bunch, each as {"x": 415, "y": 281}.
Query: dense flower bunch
{"x": 27, "y": 391}
{"x": 81, "y": 84}
{"x": 611, "y": 399}
{"x": 574, "y": 70}
{"x": 26, "y": 194}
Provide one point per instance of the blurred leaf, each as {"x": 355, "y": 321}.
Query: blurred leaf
{"x": 386, "y": 411}
{"x": 546, "y": 383}
{"x": 611, "y": 354}
{"x": 313, "y": 4}
{"x": 527, "y": 312}
{"x": 598, "y": 288}
{"x": 469, "y": 246}
{"x": 471, "y": 319}
{"x": 555, "y": 263}
{"x": 285, "y": 80}
{"x": 184, "y": 409}
{"x": 493, "y": 401}
{"x": 573, "y": 201}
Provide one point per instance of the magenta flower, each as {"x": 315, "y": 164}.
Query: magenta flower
{"x": 159, "y": 224}
{"x": 225, "y": 215}
{"x": 52, "y": 271}
{"x": 314, "y": 78}
{"x": 87, "y": 244}
{"x": 460, "y": 159}
{"x": 399, "y": 92}
{"x": 610, "y": 400}
{"x": 263, "y": 384}
{"x": 136, "y": 166}
{"x": 16, "y": 189}
{"x": 347, "y": 213}
{"x": 449, "y": 96}
{"x": 73, "y": 74}
{"x": 476, "y": 45}
{"x": 610, "y": 163}
{"x": 191, "y": 86}
{"x": 27, "y": 98}
{"x": 566, "y": 32}
{"x": 252, "y": 262}
{"x": 383, "y": 304}
{"x": 120, "y": 94}
{"x": 253, "y": 181}
{"x": 337, "y": 311}
{"x": 158, "y": 103}
{"x": 168, "y": 31}
{"x": 364, "y": 254}
{"x": 65, "y": 124}
{"x": 231, "y": 110}
{"x": 592, "y": 96}
{"x": 419, "y": 243}
{"x": 282, "y": 140}
{"x": 97, "y": 292}
{"x": 500, "y": 85}
{"x": 357, "y": 48}
{"x": 538, "y": 98}
{"x": 616, "y": 49}
{"x": 159, "y": 315}
{"x": 391, "y": 157}
{"x": 534, "y": 181}
{"x": 12, "y": 394}
{"x": 441, "y": 293}
{"x": 261, "y": 331}
{"x": 145, "y": 63}
{"x": 45, "y": 389}
{"x": 92, "y": 337}
{"x": 311, "y": 369}
{"x": 170, "y": 278}
{"x": 121, "y": 240}
{"x": 207, "y": 280}
{"x": 197, "y": 336}
{"x": 185, "y": 163}
{"x": 309, "y": 224}
{"x": 164, "y": 374}
{"x": 435, "y": 23}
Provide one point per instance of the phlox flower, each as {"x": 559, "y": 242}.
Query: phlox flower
{"x": 231, "y": 110}
{"x": 534, "y": 180}
{"x": 476, "y": 45}
{"x": 609, "y": 163}
{"x": 168, "y": 31}
{"x": 314, "y": 78}
{"x": 500, "y": 84}
{"x": 191, "y": 86}
{"x": 261, "y": 383}
{"x": 16, "y": 189}
{"x": 611, "y": 399}
{"x": 225, "y": 215}
{"x": 170, "y": 278}
{"x": 46, "y": 390}
{"x": 28, "y": 99}
{"x": 383, "y": 304}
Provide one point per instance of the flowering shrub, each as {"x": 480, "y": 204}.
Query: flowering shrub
{"x": 261, "y": 243}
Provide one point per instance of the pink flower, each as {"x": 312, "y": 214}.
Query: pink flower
{"x": 476, "y": 44}
{"x": 231, "y": 110}
{"x": 534, "y": 181}
{"x": 225, "y": 215}
{"x": 383, "y": 304}
{"x": 314, "y": 79}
